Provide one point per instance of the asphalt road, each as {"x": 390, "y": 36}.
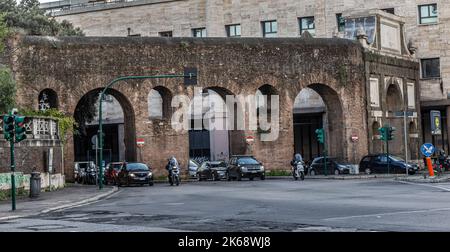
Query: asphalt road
{"x": 270, "y": 205}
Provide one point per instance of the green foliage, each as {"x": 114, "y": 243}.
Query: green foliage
{"x": 65, "y": 123}
{"x": 278, "y": 173}
{"x": 27, "y": 16}
{"x": 4, "y": 31}
{"x": 7, "y": 90}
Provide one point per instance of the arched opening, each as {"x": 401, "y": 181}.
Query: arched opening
{"x": 209, "y": 136}
{"x": 318, "y": 106}
{"x": 377, "y": 144}
{"x": 118, "y": 127}
{"x": 159, "y": 99}
{"x": 264, "y": 96}
{"x": 394, "y": 101}
{"x": 48, "y": 99}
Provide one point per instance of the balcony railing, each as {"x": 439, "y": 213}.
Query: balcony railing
{"x": 37, "y": 128}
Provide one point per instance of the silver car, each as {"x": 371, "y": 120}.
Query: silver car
{"x": 193, "y": 167}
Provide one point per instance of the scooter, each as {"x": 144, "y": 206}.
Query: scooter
{"x": 299, "y": 171}
{"x": 174, "y": 177}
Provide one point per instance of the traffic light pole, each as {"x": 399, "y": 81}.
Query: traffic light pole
{"x": 13, "y": 171}
{"x": 100, "y": 123}
{"x": 325, "y": 153}
{"x": 387, "y": 156}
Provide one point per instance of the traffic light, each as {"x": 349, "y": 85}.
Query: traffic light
{"x": 382, "y": 131}
{"x": 19, "y": 126}
{"x": 320, "y": 135}
{"x": 390, "y": 132}
{"x": 8, "y": 127}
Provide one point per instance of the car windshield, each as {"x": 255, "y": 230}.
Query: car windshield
{"x": 247, "y": 161}
{"x": 398, "y": 159}
{"x": 116, "y": 166}
{"x": 221, "y": 164}
{"x": 137, "y": 167}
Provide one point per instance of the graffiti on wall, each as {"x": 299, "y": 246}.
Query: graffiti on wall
{"x": 20, "y": 179}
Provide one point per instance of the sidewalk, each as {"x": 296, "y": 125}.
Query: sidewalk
{"x": 71, "y": 195}
{"x": 350, "y": 176}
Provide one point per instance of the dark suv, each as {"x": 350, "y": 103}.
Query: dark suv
{"x": 245, "y": 167}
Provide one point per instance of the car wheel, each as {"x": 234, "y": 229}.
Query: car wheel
{"x": 312, "y": 173}
{"x": 336, "y": 172}
{"x": 263, "y": 177}
{"x": 251, "y": 178}
{"x": 239, "y": 177}
{"x": 151, "y": 183}
{"x": 228, "y": 177}
{"x": 367, "y": 171}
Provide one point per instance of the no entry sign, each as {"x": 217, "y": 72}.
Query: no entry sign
{"x": 249, "y": 139}
{"x": 140, "y": 141}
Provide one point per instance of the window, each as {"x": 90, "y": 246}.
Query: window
{"x": 307, "y": 24}
{"x": 389, "y": 10}
{"x": 428, "y": 14}
{"x": 430, "y": 68}
{"x": 166, "y": 34}
{"x": 199, "y": 32}
{"x": 233, "y": 30}
{"x": 340, "y": 21}
{"x": 270, "y": 29}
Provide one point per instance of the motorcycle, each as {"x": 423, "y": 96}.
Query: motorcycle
{"x": 298, "y": 171}
{"x": 91, "y": 176}
{"x": 174, "y": 176}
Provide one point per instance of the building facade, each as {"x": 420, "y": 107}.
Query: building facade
{"x": 427, "y": 28}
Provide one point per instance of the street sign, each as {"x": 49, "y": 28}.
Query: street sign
{"x": 427, "y": 149}
{"x": 249, "y": 139}
{"x": 436, "y": 125}
{"x": 355, "y": 138}
{"x": 140, "y": 141}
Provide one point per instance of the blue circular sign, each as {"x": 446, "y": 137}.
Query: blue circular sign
{"x": 427, "y": 149}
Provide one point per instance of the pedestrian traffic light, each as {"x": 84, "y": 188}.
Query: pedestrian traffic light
{"x": 320, "y": 135}
{"x": 19, "y": 125}
{"x": 390, "y": 132}
{"x": 382, "y": 131}
{"x": 8, "y": 127}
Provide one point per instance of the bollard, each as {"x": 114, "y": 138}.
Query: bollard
{"x": 430, "y": 167}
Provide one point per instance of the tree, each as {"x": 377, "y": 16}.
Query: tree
{"x": 7, "y": 90}
{"x": 34, "y": 21}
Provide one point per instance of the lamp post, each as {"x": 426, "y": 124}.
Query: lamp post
{"x": 190, "y": 78}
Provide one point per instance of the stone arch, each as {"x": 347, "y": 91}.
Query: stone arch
{"x": 48, "y": 99}
{"x": 159, "y": 103}
{"x": 264, "y": 101}
{"x": 90, "y": 99}
{"x": 394, "y": 99}
{"x": 332, "y": 121}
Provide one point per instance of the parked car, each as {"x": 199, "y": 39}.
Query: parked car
{"x": 192, "y": 168}
{"x": 215, "y": 170}
{"x": 111, "y": 171}
{"x": 135, "y": 173}
{"x": 242, "y": 166}
{"x": 334, "y": 166}
{"x": 378, "y": 164}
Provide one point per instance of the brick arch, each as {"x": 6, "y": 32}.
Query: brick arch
{"x": 394, "y": 99}
{"x": 50, "y": 96}
{"x": 335, "y": 121}
{"x": 129, "y": 119}
{"x": 166, "y": 99}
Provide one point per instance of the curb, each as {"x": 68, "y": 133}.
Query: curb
{"x": 86, "y": 201}
{"x": 345, "y": 177}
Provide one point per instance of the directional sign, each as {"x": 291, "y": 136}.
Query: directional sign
{"x": 427, "y": 149}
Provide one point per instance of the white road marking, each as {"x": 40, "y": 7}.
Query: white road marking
{"x": 426, "y": 185}
{"x": 390, "y": 213}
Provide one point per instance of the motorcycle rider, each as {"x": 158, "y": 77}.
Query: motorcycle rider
{"x": 442, "y": 158}
{"x": 296, "y": 160}
{"x": 171, "y": 163}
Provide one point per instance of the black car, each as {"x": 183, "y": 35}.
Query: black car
{"x": 135, "y": 173}
{"x": 334, "y": 166}
{"x": 215, "y": 170}
{"x": 379, "y": 164}
{"x": 245, "y": 167}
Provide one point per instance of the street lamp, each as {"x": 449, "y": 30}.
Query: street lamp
{"x": 190, "y": 78}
